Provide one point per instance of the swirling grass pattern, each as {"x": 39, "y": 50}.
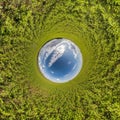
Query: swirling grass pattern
{"x": 26, "y": 26}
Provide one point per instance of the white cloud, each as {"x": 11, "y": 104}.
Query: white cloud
{"x": 59, "y": 51}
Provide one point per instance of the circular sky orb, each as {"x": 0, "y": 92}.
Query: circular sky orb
{"x": 60, "y": 60}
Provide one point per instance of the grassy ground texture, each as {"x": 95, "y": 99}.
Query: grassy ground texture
{"x": 25, "y": 26}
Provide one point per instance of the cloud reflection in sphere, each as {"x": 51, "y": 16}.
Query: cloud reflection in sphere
{"x": 60, "y": 60}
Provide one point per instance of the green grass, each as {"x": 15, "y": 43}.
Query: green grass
{"x": 26, "y": 26}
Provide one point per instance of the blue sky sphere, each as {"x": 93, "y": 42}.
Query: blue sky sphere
{"x": 60, "y": 60}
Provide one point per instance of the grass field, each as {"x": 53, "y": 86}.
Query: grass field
{"x": 25, "y": 26}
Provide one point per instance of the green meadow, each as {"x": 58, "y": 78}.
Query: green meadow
{"x": 25, "y": 26}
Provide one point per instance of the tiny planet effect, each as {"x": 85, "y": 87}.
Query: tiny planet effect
{"x": 60, "y": 60}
